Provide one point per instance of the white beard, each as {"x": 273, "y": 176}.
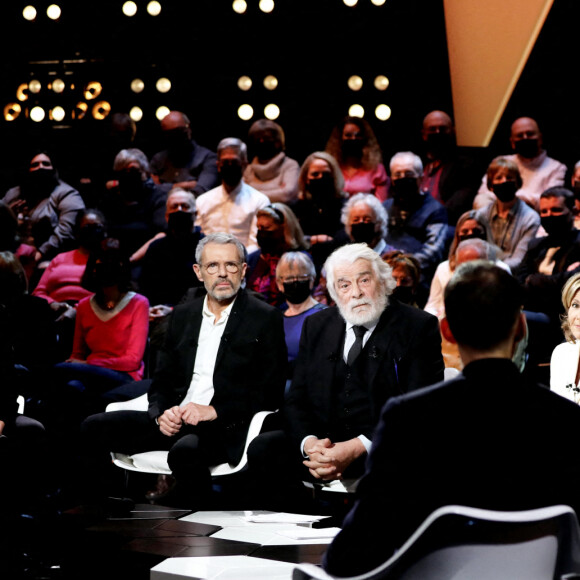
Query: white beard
{"x": 363, "y": 315}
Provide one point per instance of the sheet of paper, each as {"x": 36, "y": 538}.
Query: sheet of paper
{"x": 267, "y": 535}
{"x": 301, "y": 533}
{"x": 282, "y": 518}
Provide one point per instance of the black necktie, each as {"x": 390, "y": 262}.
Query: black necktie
{"x": 359, "y": 332}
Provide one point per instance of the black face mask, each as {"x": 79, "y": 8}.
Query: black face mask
{"x": 362, "y": 232}
{"x": 177, "y": 140}
{"x": 39, "y": 184}
{"x": 266, "y": 150}
{"x": 352, "y": 147}
{"x": 104, "y": 274}
{"x": 439, "y": 144}
{"x": 404, "y": 294}
{"x": 270, "y": 242}
{"x": 130, "y": 184}
{"x": 322, "y": 187}
{"x": 406, "y": 192}
{"x": 231, "y": 174}
{"x": 180, "y": 222}
{"x": 474, "y": 235}
{"x": 527, "y": 148}
{"x": 557, "y": 226}
{"x": 505, "y": 191}
{"x": 91, "y": 236}
{"x": 297, "y": 292}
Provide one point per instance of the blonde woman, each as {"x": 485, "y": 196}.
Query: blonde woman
{"x": 564, "y": 364}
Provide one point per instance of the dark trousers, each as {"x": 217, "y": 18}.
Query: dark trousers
{"x": 191, "y": 452}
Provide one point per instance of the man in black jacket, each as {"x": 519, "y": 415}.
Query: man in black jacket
{"x": 224, "y": 359}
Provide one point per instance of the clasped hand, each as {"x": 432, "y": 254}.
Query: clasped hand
{"x": 171, "y": 421}
{"x": 327, "y": 460}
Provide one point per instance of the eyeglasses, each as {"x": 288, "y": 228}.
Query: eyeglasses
{"x": 213, "y": 267}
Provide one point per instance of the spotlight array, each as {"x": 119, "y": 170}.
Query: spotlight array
{"x": 241, "y": 6}
{"x": 271, "y": 110}
{"x": 355, "y": 83}
{"x": 30, "y": 13}
{"x": 351, "y": 3}
{"x": 130, "y": 8}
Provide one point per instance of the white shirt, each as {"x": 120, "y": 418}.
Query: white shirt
{"x": 233, "y": 213}
{"x": 201, "y": 387}
{"x": 348, "y": 342}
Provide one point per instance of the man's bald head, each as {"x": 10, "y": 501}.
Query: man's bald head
{"x": 526, "y": 138}
{"x": 174, "y": 120}
{"x": 437, "y": 119}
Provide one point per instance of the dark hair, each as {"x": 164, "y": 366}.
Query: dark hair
{"x": 562, "y": 192}
{"x": 482, "y": 303}
{"x": 81, "y": 214}
{"x": 9, "y": 239}
{"x": 111, "y": 253}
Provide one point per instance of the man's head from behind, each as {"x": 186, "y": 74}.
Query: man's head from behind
{"x": 359, "y": 282}
{"x": 483, "y": 308}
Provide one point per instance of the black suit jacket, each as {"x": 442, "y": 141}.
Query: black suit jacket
{"x": 250, "y": 367}
{"x": 488, "y": 439}
{"x": 404, "y": 354}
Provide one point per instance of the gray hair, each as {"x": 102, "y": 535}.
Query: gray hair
{"x": 296, "y": 260}
{"x": 126, "y": 156}
{"x": 408, "y": 156}
{"x": 190, "y": 196}
{"x": 348, "y": 255}
{"x": 235, "y": 144}
{"x": 376, "y": 206}
{"x": 220, "y": 238}
{"x": 485, "y": 250}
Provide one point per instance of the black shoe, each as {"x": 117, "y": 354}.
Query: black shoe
{"x": 165, "y": 485}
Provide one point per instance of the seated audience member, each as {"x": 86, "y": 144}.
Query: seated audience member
{"x": 448, "y": 176}
{"x": 60, "y": 284}
{"x": 10, "y": 240}
{"x": 511, "y": 223}
{"x": 352, "y": 358}
{"x": 166, "y": 270}
{"x": 354, "y": 145}
{"x": 564, "y": 366}
{"x": 110, "y": 337}
{"x": 278, "y": 232}
{"x": 487, "y": 439}
{"x": 182, "y": 162}
{"x": 321, "y": 197}
{"x": 22, "y": 439}
{"x": 538, "y": 171}
{"x": 469, "y": 226}
{"x": 231, "y": 207}
{"x": 417, "y": 223}
{"x": 407, "y": 274}
{"x": 365, "y": 221}
{"x": 28, "y": 325}
{"x": 46, "y": 207}
{"x": 295, "y": 275}
{"x": 271, "y": 171}
{"x": 200, "y": 410}
{"x": 135, "y": 208}
{"x": 575, "y": 180}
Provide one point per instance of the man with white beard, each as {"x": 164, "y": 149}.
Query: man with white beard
{"x": 352, "y": 358}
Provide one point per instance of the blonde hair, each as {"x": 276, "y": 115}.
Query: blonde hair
{"x": 568, "y": 292}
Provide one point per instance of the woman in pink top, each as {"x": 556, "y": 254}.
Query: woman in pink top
{"x": 354, "y": 145}
{"x": 111, "y": 330}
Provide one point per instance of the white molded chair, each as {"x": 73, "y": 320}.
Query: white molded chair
{"x": 156, "y": 461}
{"x": 463, "y": 543}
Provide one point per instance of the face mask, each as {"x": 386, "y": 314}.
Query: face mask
{"x": 474, "y": 235}
{"x": 91, "y": 236}
{"x": 556, "y": 225}
{"x": 352, "y": 147}
{"x": 439, "y": 144}
{"x": 505, "y": 191}
{"x": 104, "y": 274}
{"x": 527, "y": 148}
{"x": 40, "y": 183}
{"x": 266, "y": 150}
{"x": 322, "y": 187}
{"x": 180, "y": 222}
{"x": 270, "y": 242}
{"x": 231, "y": 174}
{"x": 130, "y": 184}
{"x": 177, "y": 139}
{"x": 576, "y": 189}
{"x": 404, "y": 294}
{"x": 297, "y": 292}
{"x": 362, "y": 232}
{"x": 405, "y": 191}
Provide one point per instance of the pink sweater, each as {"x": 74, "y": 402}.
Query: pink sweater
{"x": 117, "y": 343}
{"x": 375, "y": 181}
{"x": 62, "y": 278}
